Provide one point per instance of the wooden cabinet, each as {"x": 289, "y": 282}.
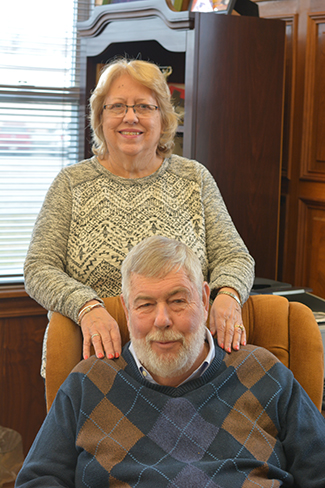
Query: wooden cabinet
{"x": 233, "y": 71}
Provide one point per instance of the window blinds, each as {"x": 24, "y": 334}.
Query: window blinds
{"x": 39, "y": 102}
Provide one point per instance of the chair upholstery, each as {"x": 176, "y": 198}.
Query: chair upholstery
{"x": 287, "y": 329}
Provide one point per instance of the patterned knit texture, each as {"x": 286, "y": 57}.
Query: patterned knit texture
{"x": 244, "y": 423}
{"x": 91, "y": 218}
{"x": 195, "y": 439}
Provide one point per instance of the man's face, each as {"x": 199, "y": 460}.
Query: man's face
{"x": 166, "y": 319}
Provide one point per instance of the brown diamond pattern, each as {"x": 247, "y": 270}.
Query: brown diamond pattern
{"x": 108, "y": 437}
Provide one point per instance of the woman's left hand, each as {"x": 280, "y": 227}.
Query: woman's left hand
{"x": 226, "y": 320}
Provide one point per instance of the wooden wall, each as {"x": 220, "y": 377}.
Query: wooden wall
{"x": 22, "y": 326}
{"x": 302, "y": 235}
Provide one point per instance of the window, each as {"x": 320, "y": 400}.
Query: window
{"x": 39, "y": 101}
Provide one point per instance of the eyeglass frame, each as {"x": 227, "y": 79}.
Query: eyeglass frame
{"x": 131, "y": 106}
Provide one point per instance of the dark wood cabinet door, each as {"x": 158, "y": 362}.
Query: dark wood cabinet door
{"x": 238, "y": 97}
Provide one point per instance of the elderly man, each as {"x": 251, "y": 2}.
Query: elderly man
{"x": 175, "y": 410}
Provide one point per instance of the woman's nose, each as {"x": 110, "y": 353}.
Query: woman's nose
{"x": 130, "y": 115}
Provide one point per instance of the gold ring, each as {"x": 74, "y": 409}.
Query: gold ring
{"x": 94, "y": 335}
{"x": 240, "y": 326}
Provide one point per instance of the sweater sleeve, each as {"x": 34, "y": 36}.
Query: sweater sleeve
{"x": 230, "y": 263}
{"x": 45, "y": 277}
{"x": 52, "y": 459}
{"x": 302, "y": 436}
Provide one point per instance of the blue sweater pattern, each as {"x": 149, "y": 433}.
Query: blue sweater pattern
{"x": 245, "y": 423}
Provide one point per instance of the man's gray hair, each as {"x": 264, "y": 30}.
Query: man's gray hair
{"x": 157, "y": 256}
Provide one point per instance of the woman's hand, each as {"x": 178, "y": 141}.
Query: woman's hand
{"x": 226, "y": 320}
{"x": 100, "y": 330}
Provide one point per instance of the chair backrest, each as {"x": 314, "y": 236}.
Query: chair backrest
{"x": 287, "y": 329}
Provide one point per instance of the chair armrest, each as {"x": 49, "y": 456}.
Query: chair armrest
{"x": 64, "y": 351}
{"x": 306, "y": 351}
{"x": 64, "y": 345}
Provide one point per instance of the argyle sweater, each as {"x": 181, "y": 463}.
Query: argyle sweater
{"x": 244, "y": 423}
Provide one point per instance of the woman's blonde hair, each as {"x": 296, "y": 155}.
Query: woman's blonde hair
{"x": 149, "y": 75}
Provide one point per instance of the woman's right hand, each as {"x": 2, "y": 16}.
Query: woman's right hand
{"x": 100, "y": 330}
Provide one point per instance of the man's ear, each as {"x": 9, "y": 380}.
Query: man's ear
{"x": 206, "y": 298}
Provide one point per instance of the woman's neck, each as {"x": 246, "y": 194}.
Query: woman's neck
{"x": 131, "y": 167}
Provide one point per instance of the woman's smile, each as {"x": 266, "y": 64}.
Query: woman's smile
{"x": 128, "y": 133}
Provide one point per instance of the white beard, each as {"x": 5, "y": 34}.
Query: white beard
{"x": 169, "y": 364}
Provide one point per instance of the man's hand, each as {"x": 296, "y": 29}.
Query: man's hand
{"x": 100, "y": 330}
{"x": 226, "y": 320}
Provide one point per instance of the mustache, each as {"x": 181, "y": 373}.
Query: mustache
{"x": 164, "y": 336}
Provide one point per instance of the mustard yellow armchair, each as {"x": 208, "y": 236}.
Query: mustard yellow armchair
{"x": 287, "y": 329}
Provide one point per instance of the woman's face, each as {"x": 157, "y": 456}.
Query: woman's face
{"x": 130, "y": 134}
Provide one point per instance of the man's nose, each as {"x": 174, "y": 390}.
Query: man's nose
{"x": 162, "y": 318}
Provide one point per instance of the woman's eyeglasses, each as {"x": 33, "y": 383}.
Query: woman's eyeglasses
{"x": 140, "y": 109}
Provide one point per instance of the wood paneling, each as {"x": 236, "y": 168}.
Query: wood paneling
{"x": 22, "y": 326}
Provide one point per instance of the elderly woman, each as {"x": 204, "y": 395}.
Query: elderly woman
{"x": 133, "y": 187}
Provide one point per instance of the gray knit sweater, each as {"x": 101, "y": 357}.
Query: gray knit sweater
{"x": 91, "y": 218}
